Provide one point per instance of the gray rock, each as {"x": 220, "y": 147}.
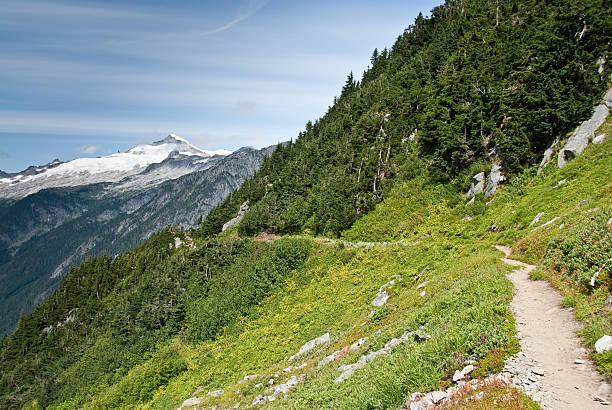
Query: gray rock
{"x": 235, "y": 221}
{"x": 603, "y": 344}
{"x": 547, "y": 155}
{"x": 380, "y": 299}
{"x": 537, "y": 371}
{"x": 460, "y": 374}
{"x": 311, "y": 344}
{"x": 495, "y": 177}
{"x": 581, "y": 137}
{"x": 608, "y": 98}
{"x": 471, "y": 201}
{"x": 536, "y": 219}
{"x": 382, "y": 296}
{"x": 348, "y": 370}
{"x": 194, "y": 401}
{"x": 215, "y": 393}
{"x": 437, "y": 396}
{"x": 599, "y": 139}
{"x": 477, "y": 184}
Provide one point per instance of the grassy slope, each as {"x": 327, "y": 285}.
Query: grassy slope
{"x": 465, "y": 309}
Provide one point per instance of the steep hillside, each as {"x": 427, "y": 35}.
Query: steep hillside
{"x": 174, "y": 317}
{"x": 476, "y": 82}
{"x": 386, "y": 282}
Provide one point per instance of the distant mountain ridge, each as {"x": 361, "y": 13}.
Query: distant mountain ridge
{"x": 52, "y": 216}
{"x": 138, "y": 161}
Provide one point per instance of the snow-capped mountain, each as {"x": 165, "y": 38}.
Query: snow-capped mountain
{"x": 178, "y": 156}
{"x": 55, "y": 215}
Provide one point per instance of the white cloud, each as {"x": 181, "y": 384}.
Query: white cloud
{"x": 89, "y": 149}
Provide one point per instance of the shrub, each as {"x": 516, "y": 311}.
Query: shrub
{"x": 582, "y": 250}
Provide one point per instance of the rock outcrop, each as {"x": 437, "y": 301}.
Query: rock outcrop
{"x": 235, "y": 221}
{"x": 495, "y": 177}
{"x": 382, "y": 296}
{"x": 584, "y": 134}
{"x": 477, "y": 184}
{"x": 306, "y": 347}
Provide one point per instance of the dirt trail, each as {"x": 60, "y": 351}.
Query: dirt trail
{"x": 547, "y": 336}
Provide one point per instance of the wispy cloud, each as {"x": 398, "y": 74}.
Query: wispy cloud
{"x": 89, "y": 149}
{"x": 245, "y": 11}
{"x": 4, "y": 154}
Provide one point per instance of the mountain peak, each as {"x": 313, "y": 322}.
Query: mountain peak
{"x": 173, "y": 137}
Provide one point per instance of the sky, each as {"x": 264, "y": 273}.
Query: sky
{"x": 90, "y": 78}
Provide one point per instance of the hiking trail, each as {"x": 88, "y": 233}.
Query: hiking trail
{"x": 561, "y": 376}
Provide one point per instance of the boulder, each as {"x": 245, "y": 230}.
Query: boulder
{"x": 547, "y": 155}
{"x": 477, "y": 184}
{"x": 460, "y": 374}
{"x": 599, "y": 139}
{"x": 603, "y": 344}
{"x": 495, "y": 177}
{"x": 311, "y": 344}
{"x": 584, "y": 134}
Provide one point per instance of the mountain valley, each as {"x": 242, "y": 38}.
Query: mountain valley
{"x": 106, "y": 205}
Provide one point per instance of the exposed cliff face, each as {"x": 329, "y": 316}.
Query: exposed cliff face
{"x": 44, "y": 233}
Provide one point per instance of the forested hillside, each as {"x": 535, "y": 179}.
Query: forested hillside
{"x": 385, "y": 282}
{"x": 476, "y": 80}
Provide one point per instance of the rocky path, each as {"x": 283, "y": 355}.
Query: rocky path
{"x": 553, "y": 368}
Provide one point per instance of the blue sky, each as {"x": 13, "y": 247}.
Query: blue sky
{"x": 88, "y": 78}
